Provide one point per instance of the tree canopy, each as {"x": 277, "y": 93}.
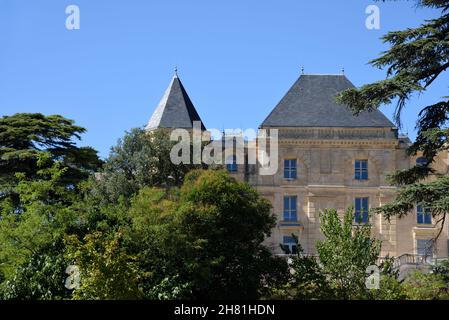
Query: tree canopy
{"x": 139, "y": 159}
{"x": 417, "y": 57}
{"x": 198, "y": 234}
{"x": 339, "y": 269}
{"x": 31, "y": 142}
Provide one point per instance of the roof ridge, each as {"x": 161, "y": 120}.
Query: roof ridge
{"x": 323, "y": 74}
{"x": 310, "y": 102}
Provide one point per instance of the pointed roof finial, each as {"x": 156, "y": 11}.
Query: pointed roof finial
{"x": 302, "y": 69}
{"x": 176, "y": 71}
{"x": 175, "y": 110}
{"x": 343, "y": 70}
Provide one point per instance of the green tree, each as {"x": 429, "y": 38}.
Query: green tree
{"x": 346, "y": 252}
{"x": 31, "y": 251}
{"x": 25, "y": 137}
{"x": 307, "y": 281}
{"x": 139, "y": 159}
{"x": 41, "y": 276}
{"x": 42, "y": 175}
{"x": 442, "y": 268}
{"x": 417, "y": 57}
{"x": 106, "y": 270}
{"x": 339, "y": 270}
{"x": 153, "y": 236}
{"x": 228, "y": 221}
{"x": 426, "y": 286}
{"x": 203, "y": 240}
{"x": 390, "y": 288}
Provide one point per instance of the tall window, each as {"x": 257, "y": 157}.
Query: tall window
{"x": 361, "y": 170}
{"x": 291, "y": 244}
{"x": 423, "y": 215}
{"x": 424, "y": 247}
{"x": 290, "y": 168}
{"x": 361, "y": 210}
{"x": 231, "y": 163}
{"x": 290, "y": 208}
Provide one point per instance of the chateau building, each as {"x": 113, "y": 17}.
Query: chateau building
{"x": 327, "y": 158}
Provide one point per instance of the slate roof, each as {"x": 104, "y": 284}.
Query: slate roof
{"x": 175, "y": 110}
{"x": 310, "y": 102}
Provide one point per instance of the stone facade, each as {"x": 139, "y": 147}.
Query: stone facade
{"x": 325, "y": 159}
{"x": 325, "y": 140}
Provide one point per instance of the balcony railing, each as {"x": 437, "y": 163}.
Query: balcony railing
{"x": 402, "y": 260}
{"x": 416, "y": 259}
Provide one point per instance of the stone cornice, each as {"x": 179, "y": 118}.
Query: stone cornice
{"x": 385, "y": 134}
{"x": 377, "y": 143}
{"x": 386, "y": 189}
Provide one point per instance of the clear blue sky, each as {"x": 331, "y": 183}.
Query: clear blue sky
{"x": 236, "y": 58}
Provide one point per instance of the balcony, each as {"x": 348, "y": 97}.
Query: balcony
{"x": 416, "y": 260}
{"x": 407, "y": 263}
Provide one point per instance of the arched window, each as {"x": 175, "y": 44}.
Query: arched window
{"x": 231, "y": 163}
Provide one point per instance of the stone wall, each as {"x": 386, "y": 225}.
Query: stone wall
{"x": 325, "y": 179}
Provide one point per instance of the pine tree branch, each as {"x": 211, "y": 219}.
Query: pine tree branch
{"x": 436, "y": 74}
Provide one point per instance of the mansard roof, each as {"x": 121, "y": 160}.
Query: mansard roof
{"x": 175, "y": 110}
{"x": 310, "y": 102}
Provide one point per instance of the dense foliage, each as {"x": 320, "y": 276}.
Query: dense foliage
{"x": 139, "y": 227}
{"x": 170, "y": 233}
{"x": 417, "y": 57}
{"x": 339, "y": 271}
{"x": 27, "y": 138}
{"x": 139, "y": 159}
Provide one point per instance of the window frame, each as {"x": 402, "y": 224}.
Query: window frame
{"x": 428, "y": 249}
{"x": 361, "y": 171}
{"x": 291, "y": 243}
{"x": 290, "y": 171}
{"x": 423, "y": 215}
{"x": 361, "y": 210}
{"x": 290, "y": 214}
